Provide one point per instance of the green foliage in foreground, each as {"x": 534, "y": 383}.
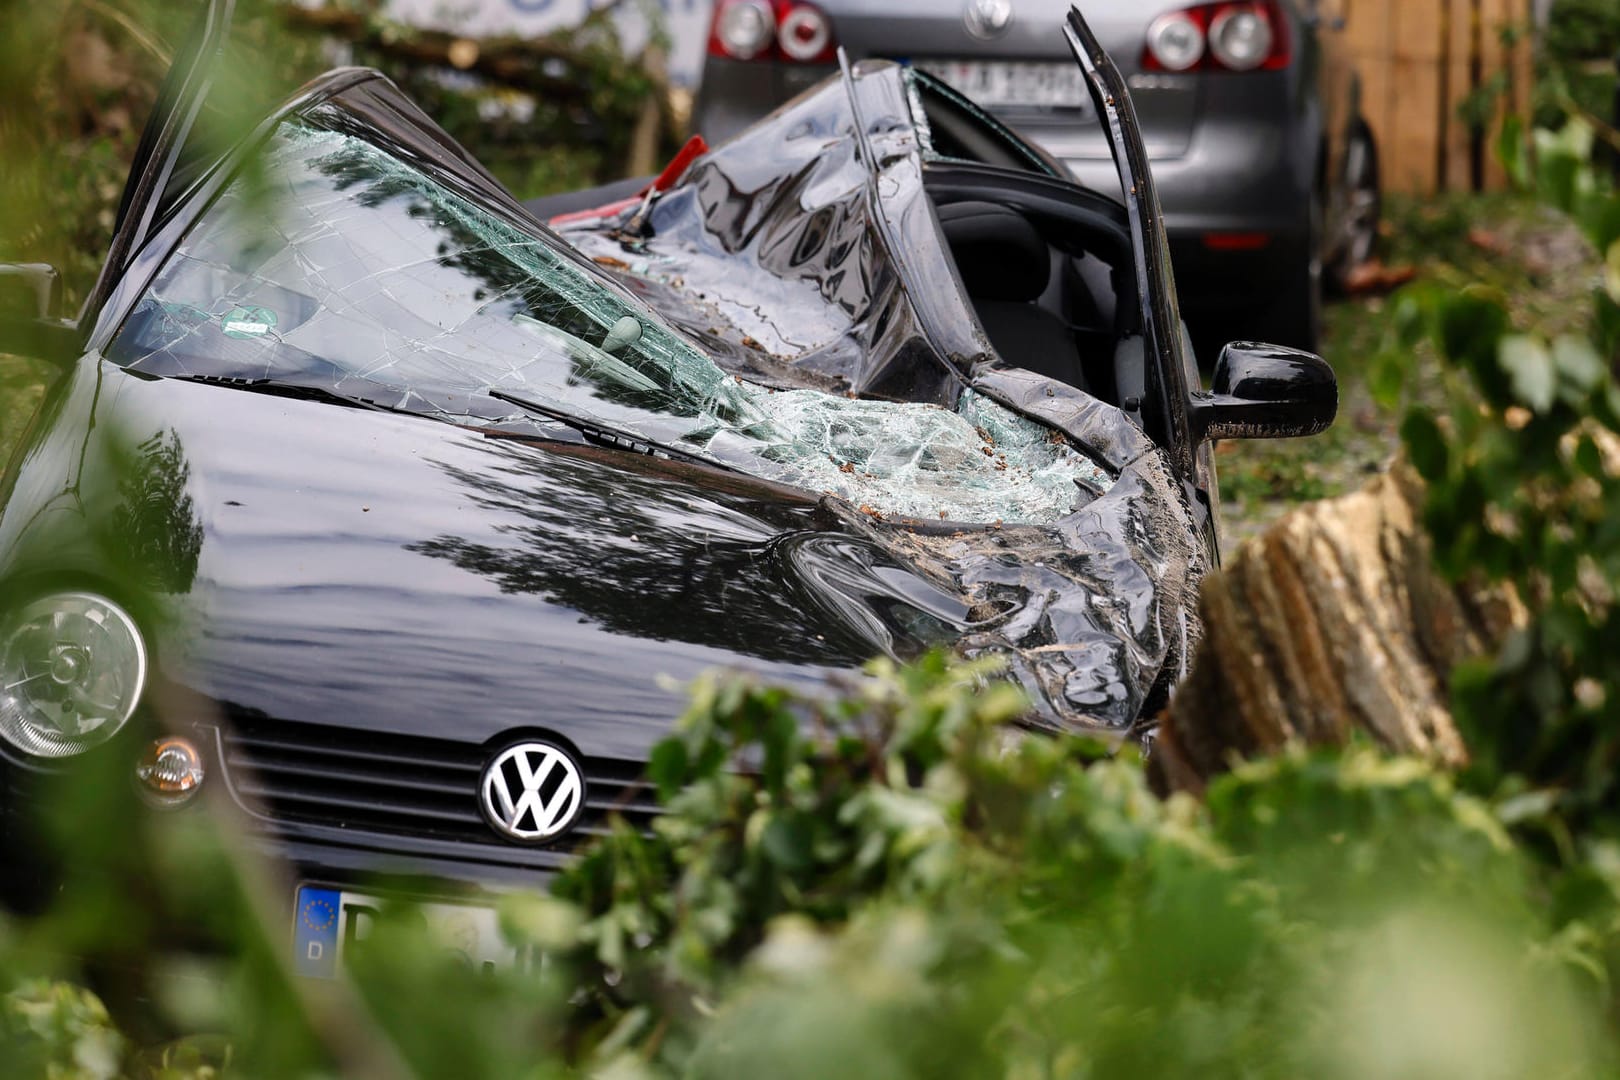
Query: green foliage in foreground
{"x": 882, "y": 883}
{"x": 1523, "y": 473}
{"x": 919, "y": 898}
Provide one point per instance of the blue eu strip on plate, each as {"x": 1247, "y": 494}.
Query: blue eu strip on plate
{"x": 315, "y": 931}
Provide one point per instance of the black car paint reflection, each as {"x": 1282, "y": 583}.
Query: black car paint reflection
{"x": 416, "y": 471}
{"x": 434, "y": 579}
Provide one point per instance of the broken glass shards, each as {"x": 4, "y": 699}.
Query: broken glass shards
{"x": 981, "y": 464}
{"x": 366, "y": 278}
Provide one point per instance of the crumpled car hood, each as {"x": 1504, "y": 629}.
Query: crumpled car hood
{"x": 835, "y": 351}
{"x": 414, "y": 577}
{"x": 806, "y": 252}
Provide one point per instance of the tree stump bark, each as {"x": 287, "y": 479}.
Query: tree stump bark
{"x": 1333, "y": 622}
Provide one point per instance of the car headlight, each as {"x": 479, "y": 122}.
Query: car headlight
{"x": 72, "y": 668}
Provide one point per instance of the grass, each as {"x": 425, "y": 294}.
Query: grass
{"x": 1507, "y": 242}
{"x": 22, "y": 386}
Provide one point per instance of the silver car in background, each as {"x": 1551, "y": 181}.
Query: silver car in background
{"x": 1267, "y": 173}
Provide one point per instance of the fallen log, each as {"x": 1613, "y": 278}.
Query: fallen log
{"x": 541, "y": 63}
{"x": 567, "y": 68}
{"x": 1332, "y": 622}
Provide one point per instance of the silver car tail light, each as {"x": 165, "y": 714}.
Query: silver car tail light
{"x": 742, "y": 29}
{"x": 1175, "y": 42}
{"x": 1230, "y": 36}
{"x": 1241, "y": 38}
{"x": 788, "y": 30}
{"x": 804, "y": 33}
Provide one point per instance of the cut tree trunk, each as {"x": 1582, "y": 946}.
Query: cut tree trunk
{"x": 1333, "y": 622}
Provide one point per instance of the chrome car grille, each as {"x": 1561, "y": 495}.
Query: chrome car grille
{"x": 398, "y": 785}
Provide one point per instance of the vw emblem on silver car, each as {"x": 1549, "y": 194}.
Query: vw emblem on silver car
{"x": 532, "y": 791}
{"x": 988, "y": 18}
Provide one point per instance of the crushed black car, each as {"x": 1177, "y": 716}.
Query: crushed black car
{"x": 413, "y": 511}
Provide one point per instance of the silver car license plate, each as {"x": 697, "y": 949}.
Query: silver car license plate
{"x": 329, "y": 922}
{"x": 1002, "y": 83}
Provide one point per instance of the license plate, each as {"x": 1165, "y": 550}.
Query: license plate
{"x": 327, "y": 923}
{"x": 1002, "y": 83}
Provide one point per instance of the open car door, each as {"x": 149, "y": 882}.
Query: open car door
{"x": 1259, "y": 391}
{"x": 1165, "y": 349}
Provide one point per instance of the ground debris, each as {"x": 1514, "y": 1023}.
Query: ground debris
{"x": 1376, "y": 277}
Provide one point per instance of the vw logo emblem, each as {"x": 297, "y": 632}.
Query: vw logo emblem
{"x": 988, "y": 18}
{"x": 532, "y": 792}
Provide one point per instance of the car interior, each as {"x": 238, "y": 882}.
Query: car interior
{"x": 1047, "y": 265}
{"x": 1050, "y": 279}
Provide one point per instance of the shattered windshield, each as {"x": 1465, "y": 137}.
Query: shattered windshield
{"x": 348, "y": 270}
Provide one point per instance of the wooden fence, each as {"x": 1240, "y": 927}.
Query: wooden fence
{"x": 1420, "y": 60}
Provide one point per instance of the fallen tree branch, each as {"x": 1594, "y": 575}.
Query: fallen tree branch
{"x": 549, "y": 64}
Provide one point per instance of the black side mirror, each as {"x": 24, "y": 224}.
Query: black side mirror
{"x": 30, "y": 323}
{"x": 1266, "y": 392}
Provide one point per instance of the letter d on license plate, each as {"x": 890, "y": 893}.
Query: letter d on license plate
{"x": 315, "y": 931}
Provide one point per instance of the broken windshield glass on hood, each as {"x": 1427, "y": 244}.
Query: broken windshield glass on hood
{"x": 829, "y": 361}
{"x": 373, "y": 281}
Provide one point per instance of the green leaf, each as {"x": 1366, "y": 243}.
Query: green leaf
{"x": 1600, "y": 220}
{"x": 787, "y": 841}
{"x": 1411, "y": 317}
{"x": 1425, "y": 444}
{"x": 1588, "y": 459}
{"x": 1558, "y": 180}
{"x": 779, "y": 735}
{"x": 1470, "y": 327}
{"x": 1387, "y": 377}
{"x": 1611, "y": 398}
{"x": 1575, "y": 139}
{"x": 666, "y": 767}
{"x": 1578, "y": 363}
{"x": 1529, "y": 367}
{"x": 1611, "y": 272}
{"x": 1561, "y": 164}
{"x": 1513, "y": 150}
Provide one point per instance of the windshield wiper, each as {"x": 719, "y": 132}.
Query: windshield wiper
{"x": 592, "y": 431}
{"x": 614, "y": 438}
{"x": 279, "y": 388}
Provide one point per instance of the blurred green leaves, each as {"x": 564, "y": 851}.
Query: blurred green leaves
{"x": 1038, "y": 909}
{"x": 60, "y": 1029}
{"x": 881, "y": 879}
{"x": 1523, "y": 472}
